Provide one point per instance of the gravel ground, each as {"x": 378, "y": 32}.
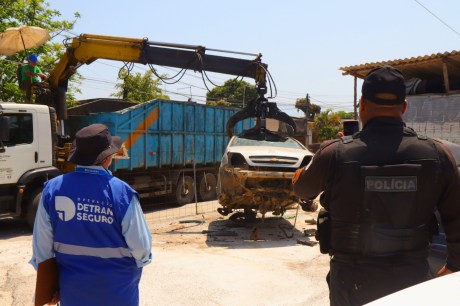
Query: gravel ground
{"x": 202, "y": 260}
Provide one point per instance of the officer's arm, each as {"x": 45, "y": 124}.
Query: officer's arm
{"x": 444, "y": 271}
{"x": 449, "y": 209}
{"x": 309, "y": 182}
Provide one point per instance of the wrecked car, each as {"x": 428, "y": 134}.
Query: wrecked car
{"x": 256, "y": 176}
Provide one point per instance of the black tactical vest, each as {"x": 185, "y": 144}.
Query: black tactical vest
{"x": 379, "y": 193}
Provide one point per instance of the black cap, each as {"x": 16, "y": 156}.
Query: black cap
{"x": 93, "y": 144}
{"x": 384, "y": 85}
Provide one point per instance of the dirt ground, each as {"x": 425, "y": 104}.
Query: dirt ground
{"x": 203, "y": 260}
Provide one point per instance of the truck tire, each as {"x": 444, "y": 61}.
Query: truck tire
{"x": 208, "y": 187}
{"x": 32, "y": 206}
{"x": 185, "y": 190}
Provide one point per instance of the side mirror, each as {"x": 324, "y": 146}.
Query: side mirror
{"x": 4, "y": 128}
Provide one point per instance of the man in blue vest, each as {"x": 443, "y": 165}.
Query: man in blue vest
{"x": 380, "y": 188}
{"x": 92, "y": 223}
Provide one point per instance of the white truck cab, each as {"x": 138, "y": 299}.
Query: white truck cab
{"x": 27, "y": 159}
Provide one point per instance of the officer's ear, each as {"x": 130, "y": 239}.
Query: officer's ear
{"x": 404, "y": 107}
{"x": 360, "y": 103}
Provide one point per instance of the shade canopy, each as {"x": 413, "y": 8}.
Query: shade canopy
{"x": 21, "y": 38}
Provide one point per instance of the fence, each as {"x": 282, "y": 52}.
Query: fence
{"x": 436, "y": 116}
{"x": 164, "y": 213}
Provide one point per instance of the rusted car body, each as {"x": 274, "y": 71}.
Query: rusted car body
{"x": 256, "y": 175}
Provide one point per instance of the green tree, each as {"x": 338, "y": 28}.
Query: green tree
{"x": 346, "y": 115}
{"x": 139, "y": 88}
{"x": 327, "y": 126}
{"x": 312, "y": 109}
{"x": 14, "y": 13}
{"x": 232, "y": 93}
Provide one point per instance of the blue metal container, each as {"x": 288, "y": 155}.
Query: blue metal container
{"x": 163, "y": 133}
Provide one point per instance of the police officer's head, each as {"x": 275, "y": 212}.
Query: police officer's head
{"x": 383, "y": 94}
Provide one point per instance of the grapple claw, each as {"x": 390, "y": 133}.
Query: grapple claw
{"x": 261, "y": 109}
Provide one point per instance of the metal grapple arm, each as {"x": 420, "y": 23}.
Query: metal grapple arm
{"x": 260, "y": 109}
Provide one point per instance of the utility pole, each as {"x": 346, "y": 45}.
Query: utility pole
{"x": 307, "y": 118}
{"x": 244, "y": 94}
{"x": 190, "y": 88}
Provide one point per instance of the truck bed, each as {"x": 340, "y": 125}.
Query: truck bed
{"x": 160, "y": 133}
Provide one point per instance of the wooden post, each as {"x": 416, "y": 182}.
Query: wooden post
{"x": 445, "y": 73}
{"x": 307, "y": 119}
{"x": 355, "y": 100}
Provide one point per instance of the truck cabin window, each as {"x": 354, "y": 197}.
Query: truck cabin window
{"x": 21, "y": 131}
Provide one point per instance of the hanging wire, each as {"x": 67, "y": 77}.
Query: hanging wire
{"x": 128, "y": 66}
{"x": 166, "y": 79}
{"x": 203, "y": 72}
{"x": 66, "y": 41}
{"x": 435, "y": 16}
{"x": 271, "y": 83}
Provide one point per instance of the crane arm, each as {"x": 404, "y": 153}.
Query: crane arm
{"x": 87, "y": 48}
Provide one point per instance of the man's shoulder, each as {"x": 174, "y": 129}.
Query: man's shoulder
{"x": 121, "y": 183}
{"x": 449, "y": 148}
{"x": 331, "y": 142}
{"x": 56, "y": 178}
{"x": 328, "y": 145}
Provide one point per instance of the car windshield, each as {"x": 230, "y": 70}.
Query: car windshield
{"x": 288, "y": 143}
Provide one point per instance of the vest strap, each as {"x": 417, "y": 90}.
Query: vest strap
{"x": 71, "y": 249}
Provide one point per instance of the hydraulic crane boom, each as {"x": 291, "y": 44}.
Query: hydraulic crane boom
{"x": 87, "y": 48}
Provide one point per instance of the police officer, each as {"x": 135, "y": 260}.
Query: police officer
{"x": 380, "y": 188}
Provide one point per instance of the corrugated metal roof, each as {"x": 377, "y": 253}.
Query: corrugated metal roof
{"x": 424, "y": 67}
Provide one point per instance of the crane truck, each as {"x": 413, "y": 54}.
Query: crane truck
{"x": 160, "y": 137}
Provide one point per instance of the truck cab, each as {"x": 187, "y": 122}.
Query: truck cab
{"x": 27, "y": 159}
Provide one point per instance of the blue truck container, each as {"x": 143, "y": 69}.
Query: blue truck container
{"x": 171, "y": 145}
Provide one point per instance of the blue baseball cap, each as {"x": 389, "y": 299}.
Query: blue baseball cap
{"x": 33, "y": 58}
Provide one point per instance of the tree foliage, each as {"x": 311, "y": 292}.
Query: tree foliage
{"x": 346, "y": 115}
{"x": 232, "y": 93}
{"x": 312, "y": 109}
{"x": 139, "y": 88}
{"x": 14, "y": 13}
{"x": 327, "y": 126}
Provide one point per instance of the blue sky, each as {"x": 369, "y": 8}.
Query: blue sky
{"x": 304, "y": 42}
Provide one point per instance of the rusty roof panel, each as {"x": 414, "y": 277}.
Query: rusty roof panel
{"x": 424, "y": 67}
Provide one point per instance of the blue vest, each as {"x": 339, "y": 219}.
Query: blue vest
{"x": 86, "y": 208}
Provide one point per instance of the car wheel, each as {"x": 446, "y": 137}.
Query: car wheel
{"x": 185, "y": 190}
{"x": 248, "y": 215}
{"x": 310, "y": 205}
{"x": 208, "y": 187}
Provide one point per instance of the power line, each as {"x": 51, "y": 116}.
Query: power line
{"x": 280, "y": 97}
{"x": 286, "y": 105}
{"x": 437, "y": 17}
